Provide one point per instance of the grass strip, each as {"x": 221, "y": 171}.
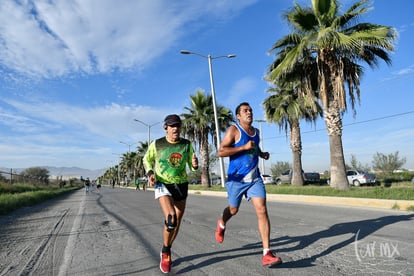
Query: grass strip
{"x": 13, "y": 201}
{"x": 378, "y": 192}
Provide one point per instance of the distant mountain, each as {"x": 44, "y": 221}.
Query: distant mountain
{"x": 65, "y": 172}
{"x": 74, "y": 171}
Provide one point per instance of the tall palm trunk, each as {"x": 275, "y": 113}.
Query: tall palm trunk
{"x": 332, "y": 98}
{"x": 205, "y": 162}
{"x": 296, "y": 146}
{"x": 333, "y": 123}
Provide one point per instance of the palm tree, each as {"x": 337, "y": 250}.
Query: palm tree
{"x": 286, "y": 108}
{"x": 198, "y": 124}
{"x": 111, "y": 173}
{"x": 337, "y": 45}
{"x": 296, "y": 99}
{"x": 127, "y": 164}
{"x": 140, "y": 152}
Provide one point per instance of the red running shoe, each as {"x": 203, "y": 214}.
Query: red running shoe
{"x": 219, "y": 232}
{"x": 270, "y": 259}
{"x": 165, "y": 263}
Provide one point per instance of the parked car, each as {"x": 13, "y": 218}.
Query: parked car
{"x": 311, "y": 177}
{"x": 215, "y": 180}
{"x": 195, "y": 181}
{"x": 358, "y": 177}
{"x": 268, "y": 179}
{"x": 308, "y": 177}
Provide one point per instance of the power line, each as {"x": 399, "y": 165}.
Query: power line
{"x": 381, "y": 118}
{"x": 355, "y": 123}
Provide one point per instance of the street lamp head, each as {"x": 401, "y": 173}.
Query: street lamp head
{"x": 186, "y": 52}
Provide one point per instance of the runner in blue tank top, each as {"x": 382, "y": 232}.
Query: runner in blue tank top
{"x": 241, "y": 145}
{"x": 243, "y": 165}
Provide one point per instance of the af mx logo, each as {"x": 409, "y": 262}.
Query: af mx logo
{"x": 372, "y": 250}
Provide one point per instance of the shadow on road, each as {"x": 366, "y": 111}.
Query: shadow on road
{"x": 364, "y": 228}
{"x": 214, "y": 257}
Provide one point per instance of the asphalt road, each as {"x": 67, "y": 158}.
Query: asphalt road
{"x": 118, "y": 232}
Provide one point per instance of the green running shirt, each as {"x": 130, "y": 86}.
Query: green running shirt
{"x": 169, "y": 160}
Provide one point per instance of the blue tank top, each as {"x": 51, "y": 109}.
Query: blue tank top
{"x": 243, "y": 166}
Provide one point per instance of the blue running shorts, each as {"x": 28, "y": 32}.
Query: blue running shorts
{"x": 236, "y": 191}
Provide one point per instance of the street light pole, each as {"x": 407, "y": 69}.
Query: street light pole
{"x": 261, "y": 140}
{"x": 129, "y": 145}
{"x": 213, "y": 96}
{"x": 149, "y": 128}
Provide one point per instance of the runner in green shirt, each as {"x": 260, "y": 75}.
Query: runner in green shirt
{"x": 165, "y": 163}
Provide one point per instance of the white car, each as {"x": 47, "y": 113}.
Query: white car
{"x": 357, "y": 178}
{"x": 268, "y": 179}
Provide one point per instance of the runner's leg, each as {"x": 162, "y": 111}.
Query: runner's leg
{"x": 262, "y": 220}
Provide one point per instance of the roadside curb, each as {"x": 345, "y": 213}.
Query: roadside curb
{"x": 402, "y": 205}
{"x": 347, "y": 201}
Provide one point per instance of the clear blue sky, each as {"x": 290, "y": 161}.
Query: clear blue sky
{"x": 75, "y": 74}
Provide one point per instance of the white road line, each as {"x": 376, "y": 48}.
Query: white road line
{"x": 67, "y": 256}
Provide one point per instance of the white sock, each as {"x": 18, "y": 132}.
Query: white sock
{"x": 265, "y": 250}
{"x": 221, "y": 225}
